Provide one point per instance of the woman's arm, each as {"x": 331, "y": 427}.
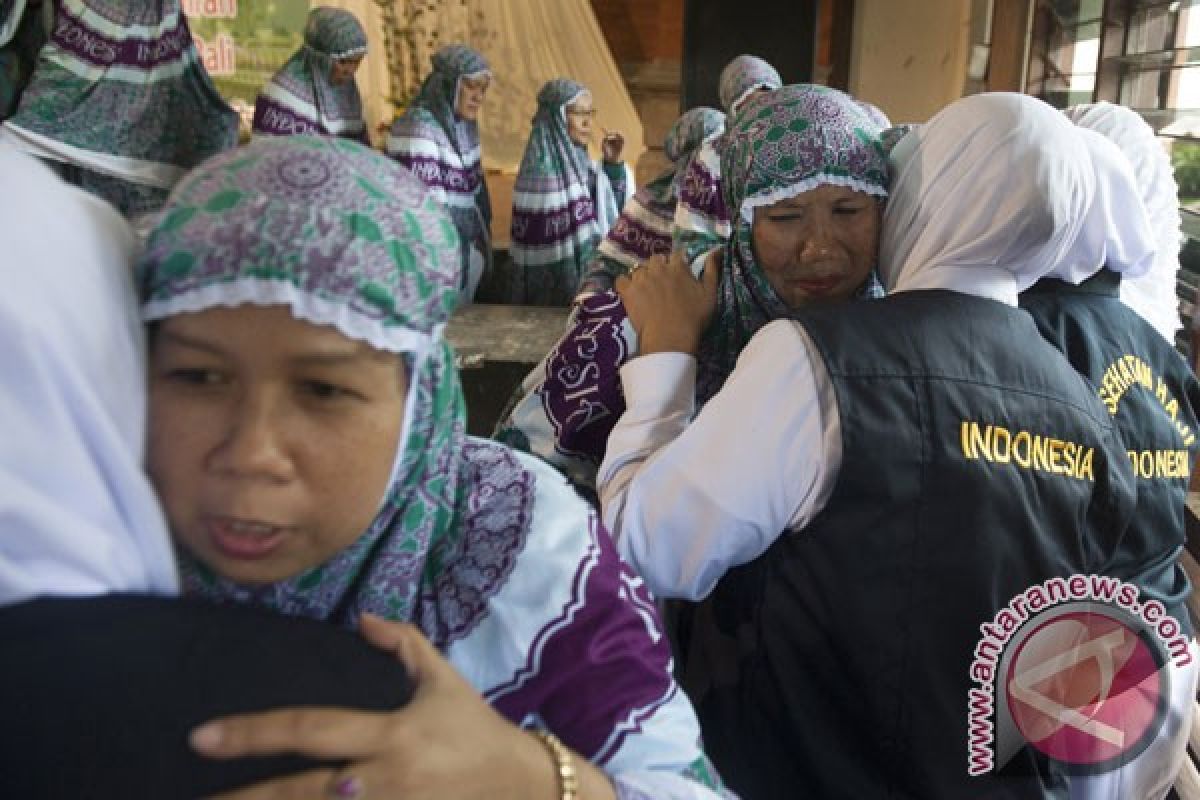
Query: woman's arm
{"x": 567, "y": 640}
{"x": 570, "y": 401}
{"x": 572, "y": 645}
{"x": 687, "y": 502}
{"x": 447, "y": 744}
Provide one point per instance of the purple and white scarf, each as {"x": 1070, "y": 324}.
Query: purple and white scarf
{"x": 562, "y": 206}
{"x": 301, "y": 98}
{"x": 644, "y": 227}
{"x": 443, "y": 150}
{"x": 120, "y": 90}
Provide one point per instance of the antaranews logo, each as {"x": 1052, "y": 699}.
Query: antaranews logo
{"x": 1075, "y": 667}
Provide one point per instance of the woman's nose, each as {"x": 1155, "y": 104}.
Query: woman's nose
{"x": 253, "y": 445}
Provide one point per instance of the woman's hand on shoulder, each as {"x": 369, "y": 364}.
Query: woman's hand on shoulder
{"x": 667, "y": 306}
{"x": 446, "y": 744}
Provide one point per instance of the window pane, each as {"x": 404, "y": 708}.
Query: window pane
{"x": 1185, "y": 157}
{"x": 1167, "y": 89}
{"x": 1153, "y": 29}
{"x": 1183, "y": 89}
{"x": 1064, "y": 51}
{"x": 1189, "y": 23}
{"x": 1074, "y": 12}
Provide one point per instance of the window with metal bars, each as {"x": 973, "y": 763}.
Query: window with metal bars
{"x": 1143, "y": 54}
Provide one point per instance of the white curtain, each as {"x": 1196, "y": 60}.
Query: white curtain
{"x": 532, "y": 41}
{"x": 527, "y": 42}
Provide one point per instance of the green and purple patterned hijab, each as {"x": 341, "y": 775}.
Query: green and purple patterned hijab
{"x": 301, "y": 98}
{"x": 785, "y": 143}
{"x": 346, "y": 238}
{"x": 743, "y": 75}
{"x": 548, "y": 625}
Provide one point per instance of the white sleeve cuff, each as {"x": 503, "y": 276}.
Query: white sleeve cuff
{"x": 659, "y": 384}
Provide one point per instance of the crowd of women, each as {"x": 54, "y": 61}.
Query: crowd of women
{"x": 114, "y": 97}
{"x": 742, "y": 530}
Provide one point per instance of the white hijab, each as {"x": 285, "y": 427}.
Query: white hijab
{"x": 1152, "y": 295}
{"x": 1116, "y": 232}
{"x": 985, "y": 198}
{"x": 77, "y": 514}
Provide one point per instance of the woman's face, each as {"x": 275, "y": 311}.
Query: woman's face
{"x": 580, "y": 114}
{"x": 271, "y": 439}
{"x": 343, "y": 70}
{"x": 471, "y": 93}
{"x": 818, "y": 246}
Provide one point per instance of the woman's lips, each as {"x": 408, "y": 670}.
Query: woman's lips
{"x": 242, "y": 539}
{"x": 817, "y": 285}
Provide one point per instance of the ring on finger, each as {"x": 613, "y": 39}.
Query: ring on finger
{"x": 347, "y": 787}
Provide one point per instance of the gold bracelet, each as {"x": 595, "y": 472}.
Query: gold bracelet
{"x": 564, "y": 764}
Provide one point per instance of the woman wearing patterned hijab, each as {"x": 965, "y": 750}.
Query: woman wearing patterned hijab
{"x": 101, "y": 657}
{"x": 438, "y": 139}
{"x": 314, "y": 92}
{"x": 574, "y": 397}
{"x": 701, "y": 219}
{"x": 307, "y": 440}
{"x": 644, "y": 227}
{"x": 119, "y": 102}
{"x": 563, "y": 203}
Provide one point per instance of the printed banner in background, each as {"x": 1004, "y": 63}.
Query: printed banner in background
{"x": 243, "y": 43}
{"x": 527, "y": 42}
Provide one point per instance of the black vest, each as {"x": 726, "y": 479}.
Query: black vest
{"x": 855, "y": 636}
{"x": 99, "y": 693}
{"x": 1141, "y": 379}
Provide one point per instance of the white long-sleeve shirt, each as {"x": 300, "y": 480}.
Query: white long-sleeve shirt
{"x": 687, "y": 502}
{"x": 715, "y": 494}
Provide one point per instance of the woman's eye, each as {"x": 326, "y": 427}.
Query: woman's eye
{"x": 325, "y": 391}
{"x": 195, "y": 376}
{"x": 847, "y": 210}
